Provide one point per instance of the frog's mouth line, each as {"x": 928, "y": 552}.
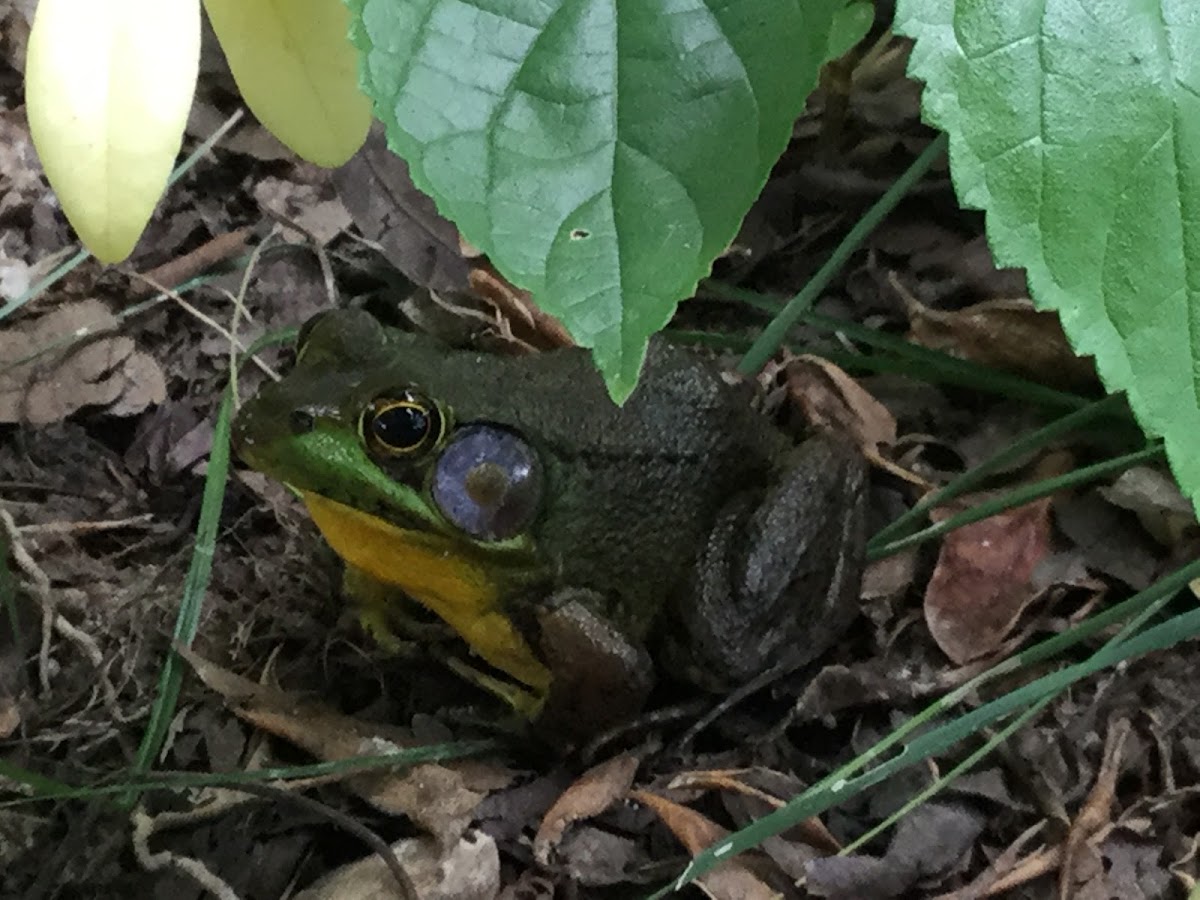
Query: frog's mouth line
{"x": 329, "y": 463}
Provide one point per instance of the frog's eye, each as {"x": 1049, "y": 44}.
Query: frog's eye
{"x": 401, "y": 425}
{"x": 488, "y": 482}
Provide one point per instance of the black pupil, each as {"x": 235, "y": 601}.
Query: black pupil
{"x": 401, "y": 427}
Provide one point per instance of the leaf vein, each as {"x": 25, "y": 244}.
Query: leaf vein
{"x": 1000, "y": 48}
{"x": 1187, "y": 216}
{"x": 1043, "y": 129}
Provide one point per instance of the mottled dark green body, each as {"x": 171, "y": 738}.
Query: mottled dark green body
{"x": 634, "y": 496}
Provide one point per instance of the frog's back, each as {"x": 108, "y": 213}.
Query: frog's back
{"x": 632, "y": 492}
{"x": 683, "y": 406}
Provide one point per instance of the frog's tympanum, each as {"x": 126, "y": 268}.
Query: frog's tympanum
{"x": 561, "y": 535}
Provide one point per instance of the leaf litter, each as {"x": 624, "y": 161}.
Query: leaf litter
{"x": 102, "y": 448}
{"x": 48, "y": 375}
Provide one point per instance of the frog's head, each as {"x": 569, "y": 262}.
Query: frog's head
{"x": 384, "y": 467}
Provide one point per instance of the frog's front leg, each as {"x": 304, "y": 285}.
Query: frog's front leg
{"x": 778, "y": 579}
{"x": 600, "y": 677}
{"x": 384, "y": 612}
{"x": 377, "y": 607}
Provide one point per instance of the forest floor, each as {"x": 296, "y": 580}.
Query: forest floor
{"x": 105, "y": 444}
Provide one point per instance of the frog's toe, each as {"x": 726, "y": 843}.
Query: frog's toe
{"x": 526, "y": 702}
{"x": 377, "y": 624}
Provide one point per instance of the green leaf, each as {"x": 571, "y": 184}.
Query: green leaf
{"x": 1076, "y": 126}
{"x": 601, "y": 152}
{"x": 296, "y": 72}
{"x": 850, "y": 25}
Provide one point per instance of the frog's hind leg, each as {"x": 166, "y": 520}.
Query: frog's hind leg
{"x": 778, "y": 579}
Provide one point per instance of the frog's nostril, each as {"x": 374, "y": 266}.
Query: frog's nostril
{"x": 301, "y": 421}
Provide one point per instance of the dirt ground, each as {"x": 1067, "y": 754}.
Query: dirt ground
{"x": 104, "y": 447}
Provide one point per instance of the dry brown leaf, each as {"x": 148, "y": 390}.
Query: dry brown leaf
{"x": 436, "y": 796}
{"x": 313, "y": 207}
{"x": 144, "y": 385}
{"x": 591, "y": 794}
{"x": 302, "y": 721}
{"x": 1040, "y": 862}
{"x": 833, "y": 400}
{"x": 890, "y": 577}
{"x": 983, "y": 578}
{"x": 1037, "y": 864}
{"x": 731, "y": 880}
{"x": 1102, "y": 539}
{"x": 1004, "y": 334}
{"x": 106, "y": 370}
{"x": 1154, "y": 497}
{"x": 23, "y": 831}
{"x": 18, "y": 161}
{"x": 388, "y": 208}
{"x": 529, "y": 885}
{"x": 440, "y": 797}
{"x": 10, "y": 717}
{"x": 233, "y": 687}
{"x": 528, "y": 323}
{"x": 811, "y": 831}
{"x": 248, "y": 136}
{"x": 468, "y": 869}
{"x": 734, "y": 882}
{"x": 981, "y": 885}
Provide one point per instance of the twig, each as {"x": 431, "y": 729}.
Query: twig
{"x": 191, "y": 264}
{"x": 51, "y": 619}
{"x": 203, "y": 317}
{"x": 85, "y": 527}
{"x": 143, "y": 829}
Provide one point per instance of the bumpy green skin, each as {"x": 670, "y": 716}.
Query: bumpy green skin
{"x": 675, "y": 498}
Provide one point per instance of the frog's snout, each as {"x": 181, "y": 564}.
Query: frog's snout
{"x": 240, "y": 436}
{"x": 268, "y": 421}
{"x": 251, "y": 429}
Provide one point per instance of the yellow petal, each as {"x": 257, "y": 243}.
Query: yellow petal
{"x": 108, "y": 86}
{"x": 297, "y": 71}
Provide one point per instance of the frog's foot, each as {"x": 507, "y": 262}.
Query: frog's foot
{"x": 601, "y": 677}
{"x": 378, "y": 609}
{"x": 377, "y": 622}
{"x": 524, "y": 701}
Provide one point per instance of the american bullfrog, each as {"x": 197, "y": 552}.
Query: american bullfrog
{"x": 559, "y": 534}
